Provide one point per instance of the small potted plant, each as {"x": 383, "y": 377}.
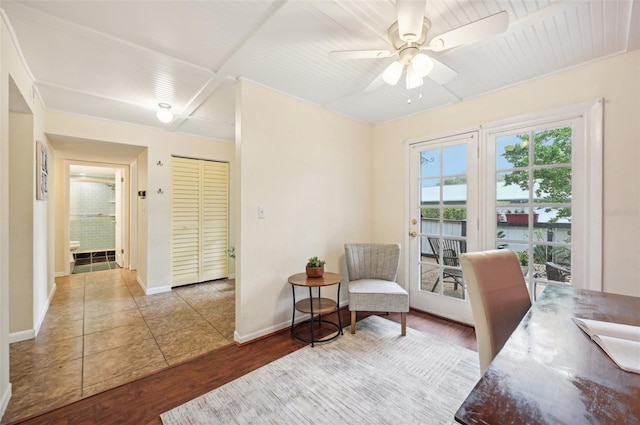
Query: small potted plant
{"x": 315, "y": 267}
{"x": 523, "y": 259}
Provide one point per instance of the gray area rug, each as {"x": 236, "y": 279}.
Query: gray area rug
{"x": 373, "y": 377}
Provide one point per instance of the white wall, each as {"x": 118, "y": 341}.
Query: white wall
{"x": 5, "y": 386}
{"x": 21, "y": 236}
{"x": 311, "y": 172}
{"x": 43, "y": 279}
{"x": 155, "y": 211}
{"x": 617, "y": 80}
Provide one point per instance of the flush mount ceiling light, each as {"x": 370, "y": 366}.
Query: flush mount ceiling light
{"x": 164, "y": 114}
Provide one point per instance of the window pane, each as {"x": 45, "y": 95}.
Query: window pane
{"x": 454, "y": 160}
{"x": 430, "y": 276}
{"x": 455, "y": 222}
{"x": 430, "y": 191}
{"x": 430, "y": 163}
{"x": 555, "y": 217}
{"x": 553, "y": 262}
{"x": 432, "y": 213}
{"x": 552, "y": 146}
{"x": 455, "y": 190}
{"x": 512, "y": 151}
{"x": 425, "y": 247}
{"x": 513, "y": 187}
{"x": 552, "y": 185}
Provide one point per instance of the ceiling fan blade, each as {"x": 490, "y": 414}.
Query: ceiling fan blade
{"x": 375, "y": 84}
{"x": 441, "y": 73}
{"x": 410, "y": 19}
{"x": 477, "y": 30}
{"x": 360, "y": 54}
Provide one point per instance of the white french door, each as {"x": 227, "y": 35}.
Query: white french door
{"x": 443, "y": 222}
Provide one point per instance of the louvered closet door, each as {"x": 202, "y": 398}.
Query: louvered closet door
{"x": 215, "y": 201}
{"x": 185, "y": 213}
{"x": 200, "y": 221}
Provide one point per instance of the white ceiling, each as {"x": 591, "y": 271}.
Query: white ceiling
{"x": 118, "y": 59}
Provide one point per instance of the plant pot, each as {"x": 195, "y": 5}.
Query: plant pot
{"x": 525, "y": 269}
{"x": 315, "y": 271}
{"x": 513, "y": 218}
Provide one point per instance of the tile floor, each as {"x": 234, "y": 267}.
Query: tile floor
{"x": 102, "y": 331}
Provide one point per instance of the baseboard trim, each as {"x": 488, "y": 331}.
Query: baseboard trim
{"x": 44, "y": 311}
{"x": 60, "y": 274}
{"x": 21, "y": 336}
{"x": 4, "y": 402}
{"x": 300, "y": 317}
{"x": 159, "y": 290}
{"x": 260, "y": 334}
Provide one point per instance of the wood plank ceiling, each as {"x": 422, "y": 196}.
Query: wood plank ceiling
{"x": 118, "y": 60}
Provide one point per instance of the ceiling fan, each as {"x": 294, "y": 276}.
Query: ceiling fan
{"x": 408, "y": 36}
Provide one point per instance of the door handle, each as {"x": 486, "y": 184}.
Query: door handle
{"x": 413, "y": 234}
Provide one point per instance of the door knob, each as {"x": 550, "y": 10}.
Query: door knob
{"x": 413, "y": 234}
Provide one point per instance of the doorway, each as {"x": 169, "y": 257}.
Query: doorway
{"x": 96, "y": 205}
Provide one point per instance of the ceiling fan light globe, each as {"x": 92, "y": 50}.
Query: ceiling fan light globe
{"x": 422, "y": 65}
{"x": 413, "y": 80}
{"x": 393, "y": 73}
{"x": 164, "y": 114}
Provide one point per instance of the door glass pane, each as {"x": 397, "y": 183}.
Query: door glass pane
{"x": 552, "y": 146}
{"x": 454, "y": 160}
{"x": 429, "y": 191}
{"x": 430, "y": 163}
{"x": 454, "y": 190}
{"x": 430, "y": 276}
{"x": 512, "y": 151}
{"x": 534, "y": 220}
{"x": 552, "y": 184}
{"x": 455, "y": 221}
{"x": 443, "y": 213}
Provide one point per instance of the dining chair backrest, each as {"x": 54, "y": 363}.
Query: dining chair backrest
{"x": 499, "y": 298}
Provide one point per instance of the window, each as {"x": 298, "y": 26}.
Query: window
{"x": 544, "y": 200}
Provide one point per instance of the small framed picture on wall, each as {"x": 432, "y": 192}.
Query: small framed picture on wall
{"x": 42, "y": 171}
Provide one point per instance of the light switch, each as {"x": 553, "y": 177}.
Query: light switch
{"x": 261, "y": 213}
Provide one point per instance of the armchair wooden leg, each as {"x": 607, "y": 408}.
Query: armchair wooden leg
{"x": 353, "y": 321}
{"x": 403, "y": 323}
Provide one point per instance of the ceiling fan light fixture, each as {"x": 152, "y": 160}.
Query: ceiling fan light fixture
{"x": 421, "y": 64}
{"x": 414, "y": 80}
{"x": 164, "y": 113}
{"x": 393, "y": 73}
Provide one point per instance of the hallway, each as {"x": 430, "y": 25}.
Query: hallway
{"x": 102, "y": 331}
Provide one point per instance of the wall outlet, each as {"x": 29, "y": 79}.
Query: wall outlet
{"x": 261, "y": 213}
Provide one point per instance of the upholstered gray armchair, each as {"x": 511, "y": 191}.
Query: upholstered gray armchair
{"x": 372, "y": 270}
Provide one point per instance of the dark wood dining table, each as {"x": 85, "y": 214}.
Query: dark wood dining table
{"x": 551, "y": 372}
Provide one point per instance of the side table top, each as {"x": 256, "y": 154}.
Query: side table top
{"x": 327, "y": 279}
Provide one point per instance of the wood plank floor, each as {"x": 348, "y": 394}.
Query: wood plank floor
{"x": 142, "y": 401}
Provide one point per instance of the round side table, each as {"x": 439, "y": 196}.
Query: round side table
{"x": 315, "y": 306}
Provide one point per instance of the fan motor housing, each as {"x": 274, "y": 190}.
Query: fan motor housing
{"x": 399, "y": 44}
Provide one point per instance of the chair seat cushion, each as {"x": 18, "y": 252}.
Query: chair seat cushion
{"x": 377, "y": 295}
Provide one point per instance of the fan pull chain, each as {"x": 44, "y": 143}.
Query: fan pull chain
{"x": 409, "y": 97}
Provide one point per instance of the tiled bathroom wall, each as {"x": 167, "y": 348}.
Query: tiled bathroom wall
{"x": 92, "y": 215}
